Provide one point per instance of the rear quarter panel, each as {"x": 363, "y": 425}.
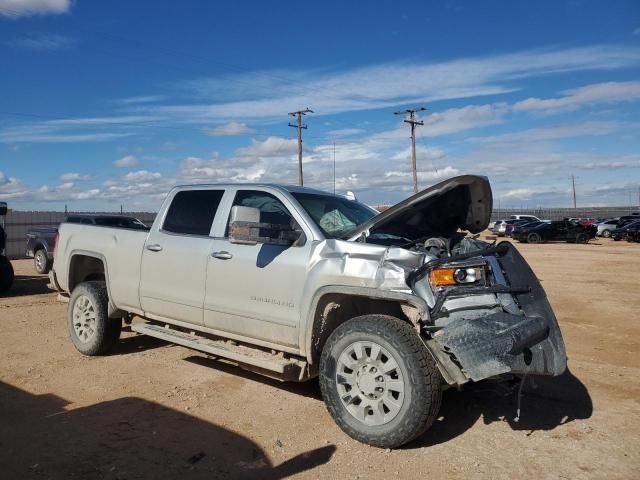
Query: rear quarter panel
{"x": 120, "y": 249}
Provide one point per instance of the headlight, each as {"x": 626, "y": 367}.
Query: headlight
{"x": 451, "y": 276}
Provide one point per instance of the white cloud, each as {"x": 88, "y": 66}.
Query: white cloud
{"x": 229, "y": 129}
{"x": 271, "y": 147}
{"x": 579, "y": 97}
{"x": 636, "y": 31}
{"x": 72, "y": 176}
{"x": 66, "y": 186}
{"x": 553, "y": 132}
{"x": 25, "y": 8}
{"x": 389, "y": 85}
{"x": 42, "y": 42}
{"x": 344, "y": 132}
{"x": 125, "y": 162}
{"x": 141, "y": 99}
{"x": 141, "y": 176}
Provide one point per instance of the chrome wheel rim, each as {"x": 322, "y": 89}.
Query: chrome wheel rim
{"x": 370, "y": 383}
{"x": 40, "y": 261}
{"x": 84, "y": 318}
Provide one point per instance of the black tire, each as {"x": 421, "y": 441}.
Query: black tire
{"x": 606, "y": 233}
{"x": 6, "y": 274}
{"x": 421, "y": 379}
{"x": 582, "y": 238}
{"x": 534, "y": 238}
{"x": 104, "y": 332}
{"x": 41, "y": 262}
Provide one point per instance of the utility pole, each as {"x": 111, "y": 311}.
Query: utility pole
{"x": 413, "y": 122}
{"x": 573, "y": 184}
{"x": 300, "y": 126}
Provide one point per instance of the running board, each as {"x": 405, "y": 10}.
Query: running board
{"x": 248, "y": 358}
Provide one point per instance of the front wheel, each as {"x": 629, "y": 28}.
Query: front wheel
{"x": 379, "y": 382}
{"x": 90, "y": 328}
{"x": 606, "y": 233}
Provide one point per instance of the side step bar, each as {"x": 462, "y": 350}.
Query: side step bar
{"x": 252, "y": 359}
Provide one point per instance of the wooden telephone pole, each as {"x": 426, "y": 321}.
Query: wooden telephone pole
{"x": 300, "y": 126}
{"x": 413, "y": 122}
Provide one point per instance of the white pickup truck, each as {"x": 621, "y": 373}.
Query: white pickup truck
{"x": 387, "y": 309}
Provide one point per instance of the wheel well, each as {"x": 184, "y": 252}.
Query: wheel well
{"x": 84, "y": 268}
{"x": 333, "y": 309}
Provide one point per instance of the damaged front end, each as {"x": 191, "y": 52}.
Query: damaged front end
{"x": 500, "y": 322}
{"x": 488, "y": 314}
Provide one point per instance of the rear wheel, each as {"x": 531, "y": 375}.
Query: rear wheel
{"x": 606, "y": 233}
{"x": 6, "y": 274}
{"x": 379, "y": 382}
{"x": 582, "y": 238}
{"x": 41, "y": 262}
{"x": 534, "y": 238}
{"x": 91, "y": 330}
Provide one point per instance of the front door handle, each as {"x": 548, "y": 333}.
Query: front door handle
{"x": 222, "y": 255}
{"x": 154, "y": 247}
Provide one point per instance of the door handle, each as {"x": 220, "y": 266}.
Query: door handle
{"x": 222, "y": 255}
{"x": 154, "y": 247}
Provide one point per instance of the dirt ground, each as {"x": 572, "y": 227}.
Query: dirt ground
{"x": 152, "y": 410}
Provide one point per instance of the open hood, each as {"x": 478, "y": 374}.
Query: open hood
{"x": 463, "y": 202}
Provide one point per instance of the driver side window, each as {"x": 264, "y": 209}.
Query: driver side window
{"x": 271, "y": 209}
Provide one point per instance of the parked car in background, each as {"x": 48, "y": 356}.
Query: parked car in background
{"x": 629, "y": 228}
{"x": 502, "y": 228}
{"x": 531, "y": 218}
{"x": 560, "y": 230}
{"x": 495, "y": 226}
{"x": 605, "y": 228}
{"x": 513, "y": 229}
{"x": 41, "y": 240}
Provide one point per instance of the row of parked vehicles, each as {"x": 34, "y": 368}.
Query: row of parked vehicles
{"x": 531, "y": 229}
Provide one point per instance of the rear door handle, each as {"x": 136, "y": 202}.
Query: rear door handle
{"x": 222, "y": 255}
{"x": 154, "y": 247}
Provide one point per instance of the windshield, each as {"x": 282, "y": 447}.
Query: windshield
{"x": 335, "y": 216}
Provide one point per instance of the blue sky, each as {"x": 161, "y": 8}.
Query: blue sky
{"x": 111, "y": 103}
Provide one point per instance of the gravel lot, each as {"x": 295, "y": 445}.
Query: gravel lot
{"x": 152, "y": 410}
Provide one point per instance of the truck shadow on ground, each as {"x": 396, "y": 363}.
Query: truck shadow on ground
{"x": 310, "y": 389}
{"x": 28, "y": 285}
{"x": 127, "y": 438}
{"x": 546, "y": 403}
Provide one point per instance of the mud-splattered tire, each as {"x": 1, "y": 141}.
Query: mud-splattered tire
{"x": 409, "y": 379}
{"x": 91, "y": 330}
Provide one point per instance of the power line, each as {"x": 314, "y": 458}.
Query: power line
{"x": 300, "y": 126}
{"x": 413, "y": 122}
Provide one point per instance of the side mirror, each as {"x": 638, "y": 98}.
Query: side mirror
{"x": 3, "y": 208}
{"x": 245, "y": 228}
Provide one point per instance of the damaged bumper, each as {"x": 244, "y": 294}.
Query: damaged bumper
{"x": 526, "y": 343}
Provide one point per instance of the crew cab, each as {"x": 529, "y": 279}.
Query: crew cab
{"x": 386, "y": 309}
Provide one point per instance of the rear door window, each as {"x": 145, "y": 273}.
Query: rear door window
{"x": 192, "y": 211}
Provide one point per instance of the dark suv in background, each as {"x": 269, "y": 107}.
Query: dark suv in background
{"x": 41, "y": 240}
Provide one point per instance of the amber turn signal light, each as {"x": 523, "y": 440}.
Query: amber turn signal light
{"x": 442, "y": 277}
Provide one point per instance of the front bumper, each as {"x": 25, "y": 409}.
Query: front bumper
{"x": 502, "y": 342}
